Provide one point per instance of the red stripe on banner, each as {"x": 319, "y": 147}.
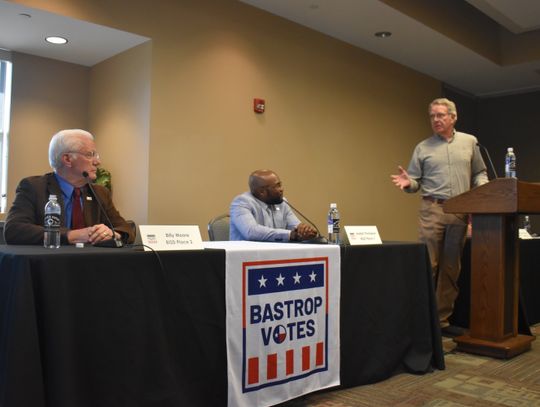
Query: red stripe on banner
{"x": 301, "y": 260}
{"x": 271, "y": 366}
{"x": 289, "y": 362}
{"x": 320, "y": 354}
{"x": 253, "y": 370}
{"x": 305, "y": 358}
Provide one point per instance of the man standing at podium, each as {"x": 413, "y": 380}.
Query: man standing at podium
{"x": 442, "y": 166}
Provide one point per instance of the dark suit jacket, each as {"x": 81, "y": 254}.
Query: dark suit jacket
{"x": 24, "y": 221}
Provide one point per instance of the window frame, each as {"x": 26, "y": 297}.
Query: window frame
{"x": 6, "y": 79}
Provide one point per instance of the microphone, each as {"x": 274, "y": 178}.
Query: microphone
{"x": 319, "y": 239}
{"x": 114, "y": 242}
{"x": 489, "y": 159}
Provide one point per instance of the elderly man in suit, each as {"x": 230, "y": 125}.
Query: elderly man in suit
{"x": 74, "y": 159}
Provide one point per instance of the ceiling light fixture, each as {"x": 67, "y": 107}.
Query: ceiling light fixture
{"x": 383, "y": 34}
{"x": 56, "y": 40}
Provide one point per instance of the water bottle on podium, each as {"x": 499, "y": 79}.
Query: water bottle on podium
{"x": 527, "y": 224}
{"x": 333, "y": 224}
{"x": 51, "y": 235}
{"x": 510, "y": 163}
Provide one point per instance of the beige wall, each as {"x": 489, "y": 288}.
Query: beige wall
{"x": 47, "y": 96}
{"x": 119, "y": 117}
{"x": 338, "y": 122}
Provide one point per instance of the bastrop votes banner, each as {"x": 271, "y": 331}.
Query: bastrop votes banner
{"x": 282, "y": 321}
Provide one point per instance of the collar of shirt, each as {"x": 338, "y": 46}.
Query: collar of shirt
{"x": 442, "y": 138}
{"x": 66, "y": 187}
{"x": 263, "y": 205}
{"x": 67, "y": 191}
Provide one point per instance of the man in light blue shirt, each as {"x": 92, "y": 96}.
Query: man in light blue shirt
{"x": 262, "y": 214}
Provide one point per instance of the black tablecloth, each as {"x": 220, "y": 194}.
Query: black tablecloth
{"x": 389, "y": 313}
{"x": 106, "y": 327}
{"x": 109, "y": 327}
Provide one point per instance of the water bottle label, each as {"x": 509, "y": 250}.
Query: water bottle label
{"x": 335, "y": 226}
{"x": 52, "y": 220}
{"x": 510, "y": 169}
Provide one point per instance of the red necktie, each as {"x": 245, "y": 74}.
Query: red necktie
{"x": 77, "y": 219}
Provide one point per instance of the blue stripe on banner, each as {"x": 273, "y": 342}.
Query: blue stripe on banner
{"x": 285, "y": 278}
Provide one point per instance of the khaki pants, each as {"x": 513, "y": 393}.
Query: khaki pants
{"x": 444, "y": 236}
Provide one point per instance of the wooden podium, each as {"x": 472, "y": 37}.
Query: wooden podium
{"x": 495, "y": 207}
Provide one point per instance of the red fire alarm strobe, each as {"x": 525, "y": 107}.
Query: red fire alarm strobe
{"x": 258, "y": 105}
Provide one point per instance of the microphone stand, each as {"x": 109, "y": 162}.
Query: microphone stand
{"x": 489, "y": 159}
{"x": 319, "y": 239}
{"x": 114, "y": 242}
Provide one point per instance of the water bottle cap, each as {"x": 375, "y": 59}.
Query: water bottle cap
{"x": 510, "y": 149}
{"x": 51, "y": 197}
{"x": 333, "y": 205}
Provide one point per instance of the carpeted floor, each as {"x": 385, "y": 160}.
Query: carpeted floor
{"x": 468, "y": 380}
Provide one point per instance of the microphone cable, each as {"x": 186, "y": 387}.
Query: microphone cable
{"x": 489, "y": 159}
{"x": 107, "y": 243}
{"x": 319, "y": 239}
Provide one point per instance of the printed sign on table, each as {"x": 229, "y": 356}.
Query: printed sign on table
{"x": 361, "y": 235}
{"x": 282, "y": 324}
{"x": 171, "y": 237}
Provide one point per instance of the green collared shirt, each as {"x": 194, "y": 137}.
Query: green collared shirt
{"x": 443, "y": 169}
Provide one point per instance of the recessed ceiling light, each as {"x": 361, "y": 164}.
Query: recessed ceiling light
{"x": 383, "y": 34}
{"x": 56, "y": 40}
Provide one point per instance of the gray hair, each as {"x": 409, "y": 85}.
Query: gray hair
{"x": 63, "y": 142}
{"x": 451, "y": 106}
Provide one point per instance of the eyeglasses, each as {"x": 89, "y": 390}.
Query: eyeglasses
{"x": 438, "y": 116}
{"x": 89, "y": 154}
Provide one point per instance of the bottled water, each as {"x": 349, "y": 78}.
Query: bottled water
{"x": 510, "y": 164}
{"x": 527, "y": 224}
{"x": 51, "y": 236}
{"x": 333, "y": 224}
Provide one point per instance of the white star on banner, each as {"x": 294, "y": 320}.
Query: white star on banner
{"x": 296, "y": 278}
{"x": 262, "y": 282}
{"x": 312, "y": 276}
{"x": 280, "y": 280}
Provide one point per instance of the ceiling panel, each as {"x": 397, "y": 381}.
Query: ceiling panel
{"x": 24, "y": 29}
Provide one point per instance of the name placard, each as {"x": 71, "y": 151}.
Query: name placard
{"x": 171, "y": 237}
{"x": 358, "y": 235}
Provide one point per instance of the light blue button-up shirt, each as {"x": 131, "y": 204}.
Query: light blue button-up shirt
{"x": 252, "y": 219}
